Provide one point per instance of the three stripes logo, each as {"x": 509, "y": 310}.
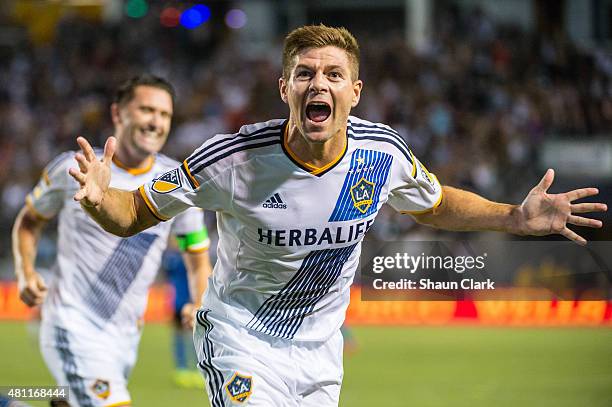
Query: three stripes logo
{"x": 274, "y": 202}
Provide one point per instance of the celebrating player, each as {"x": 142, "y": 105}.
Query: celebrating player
{"x": 93, "y": 310}
{"x": 294, "y": 199}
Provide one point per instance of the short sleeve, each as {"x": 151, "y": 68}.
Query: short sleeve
{"x": 48, "y": 196}
{"x": 414, "y": 190}
{"x": 189, "y": 185}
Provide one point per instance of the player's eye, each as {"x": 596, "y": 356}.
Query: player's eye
{"x": 146, "y": 109}
{"x": 335, "y": 75}
{"x": 303, "y": 74}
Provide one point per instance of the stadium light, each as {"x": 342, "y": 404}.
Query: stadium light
{"x": 136, "y": 8}
{"x": 195, "y": 16}
{"x": 170, "y": 17}
{"x": 236, "y": 19}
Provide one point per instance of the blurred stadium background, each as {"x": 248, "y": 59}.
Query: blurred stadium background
{"x": 489, "y": 93}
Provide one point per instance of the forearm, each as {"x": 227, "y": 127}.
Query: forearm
{"x": 25, "y": 236}
{"x": 198, "y": 270}
{"x": 118, "y": 213}
{"x": 465, "y": 211}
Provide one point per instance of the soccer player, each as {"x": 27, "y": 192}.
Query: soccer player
{"x": 92, "y": 313}
{"x": 294, "y": 198}
{"x": 185, "y": 373}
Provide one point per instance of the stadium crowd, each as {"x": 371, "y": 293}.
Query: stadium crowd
{"x": 474, "y": 104}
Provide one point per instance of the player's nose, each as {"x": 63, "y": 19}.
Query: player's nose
{"x": 318, "y": 83}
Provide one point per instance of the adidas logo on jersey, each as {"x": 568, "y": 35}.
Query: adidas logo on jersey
{"x": 275, "y": 202}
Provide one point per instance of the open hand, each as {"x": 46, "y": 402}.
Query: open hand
{"x": 542, "y": 213}
{"x": 93, "y": 175}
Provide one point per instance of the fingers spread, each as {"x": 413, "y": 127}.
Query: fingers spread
{"x": 581, "y": 193}
{"x": 571, "y": 235}
{"x": 546, "y": 180}
{"x": 581, "y": 221}
{"x": 109, "y": 149}
{"x": 588, "y": 207}
{"x": 83, "y": 163}
{"x": 77, "y": 175}
{"x": 86, "y": 148}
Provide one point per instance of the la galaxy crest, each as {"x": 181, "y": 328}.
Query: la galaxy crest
{"x": 239, "y": 388}
{"x": 101, "y": 388}
{"x": 362, "y": 194}
{"x": 168, "y": 182}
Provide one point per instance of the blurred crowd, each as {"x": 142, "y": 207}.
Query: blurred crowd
{"x": 474, "y": 103}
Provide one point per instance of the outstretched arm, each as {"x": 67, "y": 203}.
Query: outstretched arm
{"x": 540, "y": 213}
{"x": 122, "y": 213}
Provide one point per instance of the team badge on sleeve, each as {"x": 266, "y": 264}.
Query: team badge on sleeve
{"x": 240, "y": 388}
{"x": 427, "y": 177}
{"x": 101, "y": 388}
{"x": 168, "y": 182}
{"x": 362, "y": 194}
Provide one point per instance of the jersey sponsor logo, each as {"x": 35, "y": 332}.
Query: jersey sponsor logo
{"x": 168, "y": 182}
{"x": 314, "y": 237}
{"x": 274, "y": 202}
{"x": 101, "y": 388}
{"x": 240, "y": 388}
{"x": 362, "y": 194}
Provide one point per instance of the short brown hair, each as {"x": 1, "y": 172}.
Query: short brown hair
{"x": 318, "y": 36}
{"x": 125, "y": 91}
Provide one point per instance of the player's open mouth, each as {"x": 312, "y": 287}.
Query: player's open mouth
{"x": 318, "y": 111}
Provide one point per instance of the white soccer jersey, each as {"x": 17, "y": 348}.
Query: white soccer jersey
{"x": 101, "y": 278}
{"x": 289, "y": 235}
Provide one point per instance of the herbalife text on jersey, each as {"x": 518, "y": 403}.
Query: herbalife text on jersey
{"x": 312, "y": 236}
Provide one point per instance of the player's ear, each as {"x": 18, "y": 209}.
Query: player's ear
{"x": 357, "y": 86}
{"x": 282, "y": 87}
{"x": 115, "y": 116}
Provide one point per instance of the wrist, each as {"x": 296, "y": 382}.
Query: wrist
{"x": 515, "y": 220}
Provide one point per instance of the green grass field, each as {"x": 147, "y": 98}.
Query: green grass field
{"x": 396, "y": 366}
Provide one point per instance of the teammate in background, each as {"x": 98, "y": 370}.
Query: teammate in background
{"x": 185, "y": 373}
{"x": 350, "y": 343}
{"x": 294, "y": 199}
{"x": 92, "y": 313}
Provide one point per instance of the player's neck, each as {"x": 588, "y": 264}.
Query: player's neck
{"x": 317, "y": 155}
{"x": 132, "y": 162}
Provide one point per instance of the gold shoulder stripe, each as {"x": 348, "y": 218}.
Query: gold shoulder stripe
{"x": 191, "y": 177}
{"x": 423, "y": 211}
{"x": 31, "y": 207}
{"x": 152, "y": 209}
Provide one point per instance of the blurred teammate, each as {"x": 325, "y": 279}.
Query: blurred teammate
{"x": 294, "y": 199}
{"x": 93, "y": 310}
{"x": 185, "y": 360}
